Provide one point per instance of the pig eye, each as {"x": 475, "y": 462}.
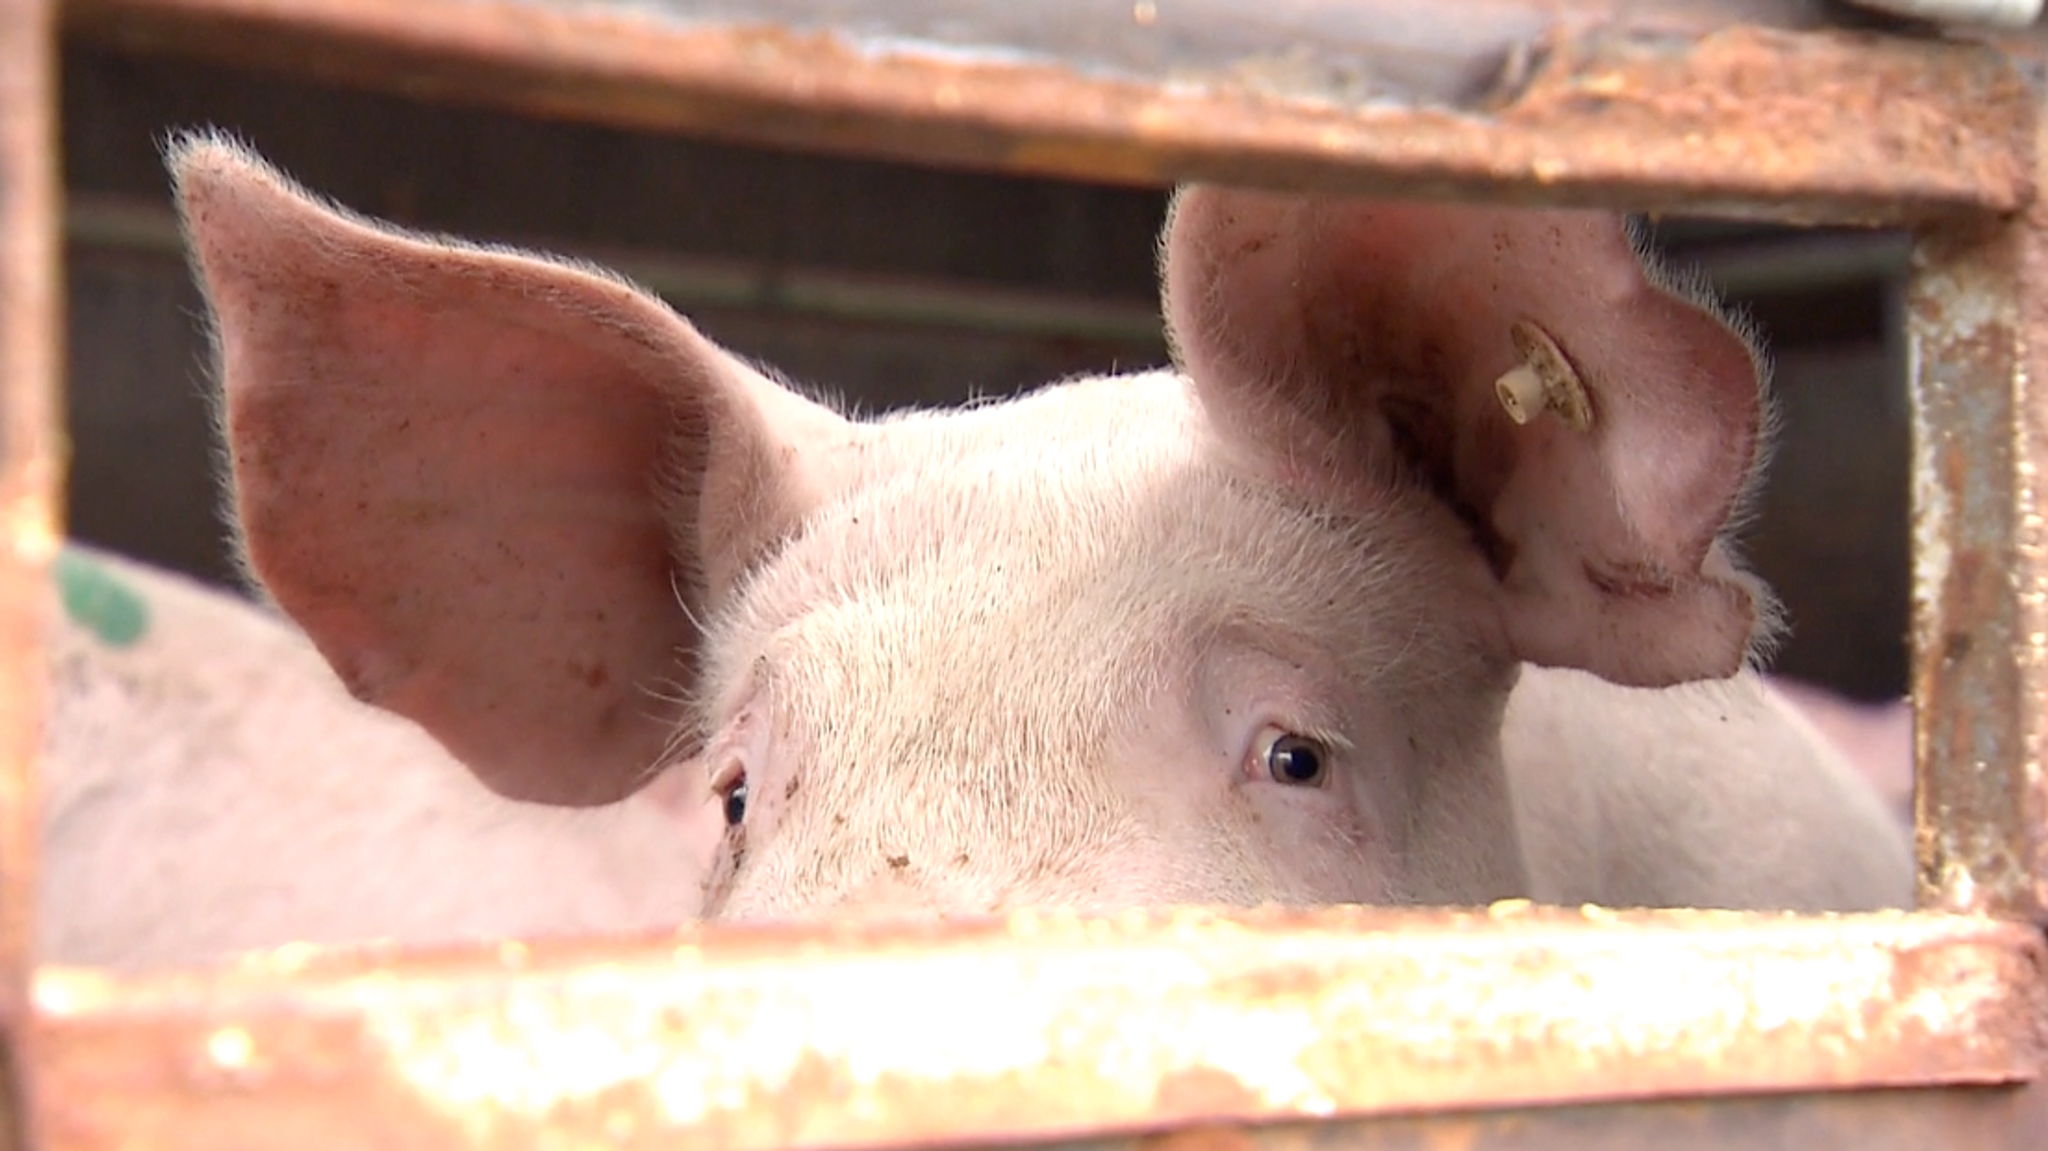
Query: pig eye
{"x": 1295, "y": 760}
{"x": 734, "y": 797}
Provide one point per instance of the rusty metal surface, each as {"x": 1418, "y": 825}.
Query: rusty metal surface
{"x": 1579, "y": 102}
{"x": 1978, "y": 307}
{"x": 1032, "y": 1029}
{"x": 1971, "y": 1119}
{"x": 30, "y": 298}
{"x": 2026, "y": 782}
{"x": 1352, "y": 51}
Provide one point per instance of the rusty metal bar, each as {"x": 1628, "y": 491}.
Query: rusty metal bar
{"x": 1959, "y": 1119}
{"x": 1953, "y": 1120}
{"x": 1044, "y": 1027}
{"x": 1963, "y": 1119}
{"x": 1652, "y": 105}
{"x": 1978, "y": 304}
{"x": 30, "y": 300}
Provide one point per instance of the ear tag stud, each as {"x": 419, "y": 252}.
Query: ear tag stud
{"x": 1543, "y": 382}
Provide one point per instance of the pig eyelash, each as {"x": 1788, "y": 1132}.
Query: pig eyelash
{"x": 676, "y": 705}
{"x": 1293, "y": 759}
{"x": 681, "y": 596}
{"x": 730, "y": 787}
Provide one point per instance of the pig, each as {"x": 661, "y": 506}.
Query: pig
{"x": 209, "y": 788}
{"x": 1875, "y": 736}
{"x": 173, "y": 839}
{"x": 1407, "y": 584}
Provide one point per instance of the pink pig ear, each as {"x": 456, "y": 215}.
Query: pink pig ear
{"x": 1338, "y": 342}
{"x": 491, "y": 488}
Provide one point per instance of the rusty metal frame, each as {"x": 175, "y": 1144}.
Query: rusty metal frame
{"x": 1331, "y": 1028}
{"x": 1641, "y": 103}
{"x": 1978, "y": 302}
{"x": 30, "y": 367}
{"x": 761, "y": 1039}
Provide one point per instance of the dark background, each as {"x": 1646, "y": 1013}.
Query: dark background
{"x": 889, "y": 283}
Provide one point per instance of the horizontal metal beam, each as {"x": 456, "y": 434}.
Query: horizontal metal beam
{"x": 1952, "y": 1119}
{"x": 1651, "y": 105}
{"x": 1037, "y": 1028}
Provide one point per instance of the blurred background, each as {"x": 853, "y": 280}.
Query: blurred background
{"x": 890, "y": 284}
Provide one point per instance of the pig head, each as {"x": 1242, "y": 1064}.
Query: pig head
{"x": 1245, "y": 632}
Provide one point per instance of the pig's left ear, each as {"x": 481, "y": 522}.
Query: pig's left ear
{"x": 497, "y": 491}
{"x": 1341, "y": 344}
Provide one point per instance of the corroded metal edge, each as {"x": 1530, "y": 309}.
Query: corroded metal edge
{"x": 1951, "y": 1119}
{"x": 1801, "y": 125}
{"x": 1978, "y": 312}
{"x": 2028, "y": 780}
{"x": 1034, "y": 1028}
{"x": 30, "y": 303}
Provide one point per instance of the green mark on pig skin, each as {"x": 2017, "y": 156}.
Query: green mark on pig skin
{"x": 97, "y": 600}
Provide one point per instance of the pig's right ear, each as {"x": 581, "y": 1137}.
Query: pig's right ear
{"x": 493, "y": 489}
{"x": 1594, "y": 430}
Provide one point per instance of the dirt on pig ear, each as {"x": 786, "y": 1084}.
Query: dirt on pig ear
{"x": 1595, "y": 427}
{"x": 496, "y": 490}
